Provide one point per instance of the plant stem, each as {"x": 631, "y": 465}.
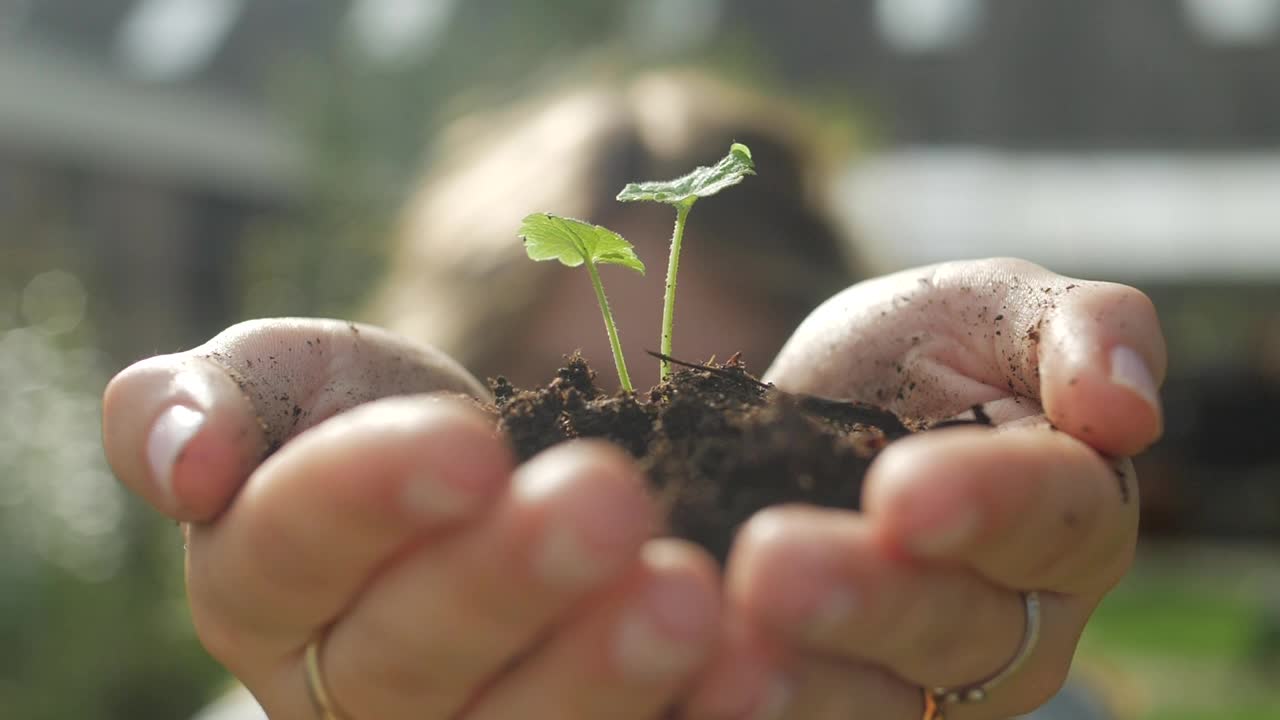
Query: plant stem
{"x": 618, "y": 361}
{"x": 673, "y": 265}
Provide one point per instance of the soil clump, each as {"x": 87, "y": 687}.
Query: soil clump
{"x": 716, "y": 443}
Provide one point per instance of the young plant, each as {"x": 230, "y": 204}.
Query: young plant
{"x": 682, "y": 193}
{"x": 574, "y": 243}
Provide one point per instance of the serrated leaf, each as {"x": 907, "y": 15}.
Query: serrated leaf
{"x": 573, "y": 242}
{"x": 702, "y": 182}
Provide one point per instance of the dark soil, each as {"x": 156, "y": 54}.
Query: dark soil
{"x": 717, "y": 444}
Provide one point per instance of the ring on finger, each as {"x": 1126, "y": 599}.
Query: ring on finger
{"x": 938, "y": 697}
{"x": 321, "y": 699}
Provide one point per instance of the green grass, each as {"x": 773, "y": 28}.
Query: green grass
{"x": 1178, "y": 639}
{"x": 1237, "y": 712}
{"x": 1170, "y": 620}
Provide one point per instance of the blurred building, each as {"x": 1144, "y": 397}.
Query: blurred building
{"x": 1046, "y": 74}
{"x": 1115, "y": 128}
{"x": 1028, "y": 74}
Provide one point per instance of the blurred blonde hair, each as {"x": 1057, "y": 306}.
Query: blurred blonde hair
{"x": 459, "y": 278}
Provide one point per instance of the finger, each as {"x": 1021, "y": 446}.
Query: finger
{"x": 827, "y": 688}
{"x": 184, "y": 430}
{"x": 1029, "y": 508}
{"x": 323, "y": 515}
{"x": 441, "y": 622}
{"x": 629, "y": 654}
{"x": 823, "y": 581}
{"x": 743, "y": 678}
{"x": 1102, "y": 359}
{"x": 930, "y": 342}
{"x": 180, "y": 434}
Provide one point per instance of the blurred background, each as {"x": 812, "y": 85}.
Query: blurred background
{"x": 168, "y": 167}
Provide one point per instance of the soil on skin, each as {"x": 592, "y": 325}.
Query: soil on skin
{"x": 716, "y": 446}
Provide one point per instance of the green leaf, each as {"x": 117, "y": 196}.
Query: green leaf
{"x": 702, "y": 182}
{"x": 573, "y": 242}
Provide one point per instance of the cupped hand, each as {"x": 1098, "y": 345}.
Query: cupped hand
{"x": 843, "y": 614}
{"x": 447, "y": 582}
{"x": 441, "y": 579}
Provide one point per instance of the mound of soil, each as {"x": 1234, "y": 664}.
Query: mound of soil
{"x": 717, "y": 444}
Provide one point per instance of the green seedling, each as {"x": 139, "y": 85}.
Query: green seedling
{"x": 574, "y": 243}
{"x": 682, "y": 193}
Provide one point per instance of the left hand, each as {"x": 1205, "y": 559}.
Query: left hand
{"x": 850, "y": 614}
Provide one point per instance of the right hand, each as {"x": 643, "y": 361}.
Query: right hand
{"x": 444, "y": 580}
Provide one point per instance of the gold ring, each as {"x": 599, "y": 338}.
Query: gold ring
{"x": 932, "y": 710}
{"x": 321, "y": 700}
{"x": 935, "y": 698}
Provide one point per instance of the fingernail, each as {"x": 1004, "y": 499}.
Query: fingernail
{"x": 170, "y": 433}
{"x": 954, "y": 529}
{"x": 834, "y": 612}
{"x": 564, "y": 560}
{"x": 431, "y": 498}
{"x": 1129, "y": 370}
{"x": 585, "y": 535}
{"x": 775, "y": 700}
{"x": 658, "y": 634}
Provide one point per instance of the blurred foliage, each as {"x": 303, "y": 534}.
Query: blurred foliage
{"x": 91, "y": 614}
{"x": 365, "y": 128}
{"x": 1186, "y": 636}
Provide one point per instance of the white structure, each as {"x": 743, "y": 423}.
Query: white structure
{"x": 1159, "y": 216}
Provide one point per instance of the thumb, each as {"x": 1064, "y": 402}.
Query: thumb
{"x": 931, "y": 342}
{"x": 1102, "y": 360}
{"x": 184, "y": 430}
